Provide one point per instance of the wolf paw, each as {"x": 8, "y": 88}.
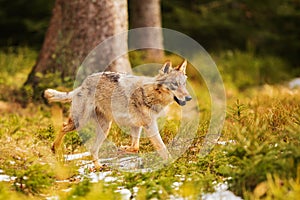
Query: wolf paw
{"x": 53, "y": 150}
{"x": 129, "y": 149}
{"x": 98, "y": 167}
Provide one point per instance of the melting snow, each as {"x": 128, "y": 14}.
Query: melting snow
{"x": 127, "y": 163}
{"x": 4, "y": 177}
{"x": 221, "y": 192}
{"x": 294, "y": 83}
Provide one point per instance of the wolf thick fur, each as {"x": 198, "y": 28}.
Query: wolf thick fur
{"x": 131, "y": 101}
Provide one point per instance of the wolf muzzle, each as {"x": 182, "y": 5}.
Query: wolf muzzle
{"x": 188, "y": 98}
{"x": 182, "y": 103}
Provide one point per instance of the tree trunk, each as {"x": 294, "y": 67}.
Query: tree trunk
{"x": 76, "y": 27}
{"x": 147, "y": 13}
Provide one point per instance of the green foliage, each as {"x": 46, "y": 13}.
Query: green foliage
{"x": 72, "y": 142}
{"x": 192, "y": 180}
{"x": 46, "y": 134}
{"x": 265, "y": 142}
{"x": 24, "y": 22}
{"x": 15, "y": 64}
{"x": 92, "y": 191}
{"x": 31, "y": 178}
{"x": 16, "y": 60}
{"x": 20, "y": 151}
{"x": 256, "y": 26}
{"x": 244, "y": 70}
{"x": 81, "y": 189}
{"x": 252, "y": 160}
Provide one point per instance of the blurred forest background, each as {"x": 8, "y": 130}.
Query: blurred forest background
{"x": 261, "y": 38}
{"x": 269, "y": 27}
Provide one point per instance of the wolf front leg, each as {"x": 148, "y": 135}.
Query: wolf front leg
{"x": 155, "y": 138}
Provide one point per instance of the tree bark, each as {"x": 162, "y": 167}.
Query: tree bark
{"x": 76, "y": 27}
{"x": 147, "y": 13}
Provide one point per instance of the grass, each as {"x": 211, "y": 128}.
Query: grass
{"x": 258, "y": 154}
{"x": 15, "y": 66}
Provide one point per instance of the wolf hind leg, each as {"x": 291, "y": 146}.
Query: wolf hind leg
{"x": 67, "y": 127}
{"x": 135, "y": 141}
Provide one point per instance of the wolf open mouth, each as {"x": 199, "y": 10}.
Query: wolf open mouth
{"x": 181, "y": 103}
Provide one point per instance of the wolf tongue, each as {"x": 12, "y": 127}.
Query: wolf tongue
{"x": 181, "y": 103}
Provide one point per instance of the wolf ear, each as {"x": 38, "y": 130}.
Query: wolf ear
{"x": 167, "y": 67}
{"x": 182, "y": 66}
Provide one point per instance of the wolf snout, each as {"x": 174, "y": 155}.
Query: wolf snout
{"x": 188, "y": 98}
{"x": 180, "y": 102}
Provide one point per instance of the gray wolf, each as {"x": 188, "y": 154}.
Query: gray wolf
{"x": 128, "y": 100}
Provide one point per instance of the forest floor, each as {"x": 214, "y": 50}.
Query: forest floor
{"x": 256, "y": 157}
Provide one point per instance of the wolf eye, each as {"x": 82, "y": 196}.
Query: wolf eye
{"x": 174, "y": 86}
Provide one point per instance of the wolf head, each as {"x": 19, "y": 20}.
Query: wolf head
{"x": 174, "y": 80}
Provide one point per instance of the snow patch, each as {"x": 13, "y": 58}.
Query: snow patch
{"x": 221, "y": 192}
{"x": 294, "y": 83}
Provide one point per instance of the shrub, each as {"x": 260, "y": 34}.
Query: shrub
{"x": 31, "y": 178}
{"x": 244, "y": 69}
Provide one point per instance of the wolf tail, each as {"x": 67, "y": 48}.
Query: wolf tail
{"x": 57, "y": 96}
